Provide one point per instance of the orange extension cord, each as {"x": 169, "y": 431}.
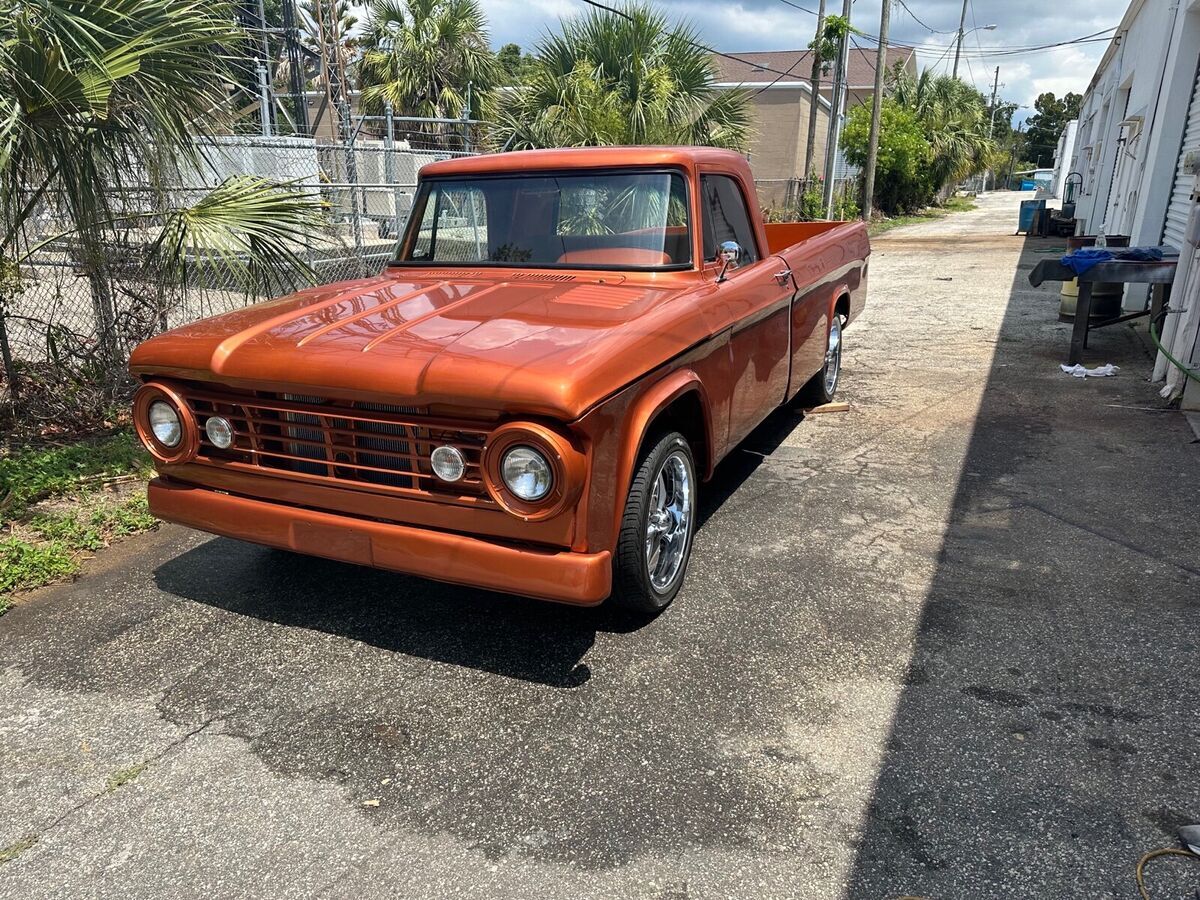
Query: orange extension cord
{"x": 1154, "y": 854}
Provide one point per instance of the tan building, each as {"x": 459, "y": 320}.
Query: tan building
{"x": 781, "y": 106}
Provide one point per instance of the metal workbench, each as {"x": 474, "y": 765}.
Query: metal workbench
{"x": 1159, "y": 275}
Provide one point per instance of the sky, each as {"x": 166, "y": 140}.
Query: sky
{"x": 774, "y": 25}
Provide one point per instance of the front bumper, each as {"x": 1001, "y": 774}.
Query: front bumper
{"x": 580, "y": 578}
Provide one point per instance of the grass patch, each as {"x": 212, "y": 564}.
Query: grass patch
{"x": 122, "y": 777}
{"x": 25, "y": 564}
{"x": 929, "y": 213}
{"x": 44, "y": 536}
{"x": 27, "y": 476}
{"x": 45, "y": 547}
{"x": 16, "y": 848}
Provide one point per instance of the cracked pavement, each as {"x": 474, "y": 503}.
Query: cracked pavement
{"x": 943, "y": 645}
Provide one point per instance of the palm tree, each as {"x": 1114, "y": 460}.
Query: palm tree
{"x": 101, "y": 105}
{"x": 425, "y": 56}
{"x": 954, "y": 117}
{"x": 624, "y": 77}
{"x": 338, "y": 19}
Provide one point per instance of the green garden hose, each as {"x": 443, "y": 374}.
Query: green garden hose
{"x": 1163, "y": 350}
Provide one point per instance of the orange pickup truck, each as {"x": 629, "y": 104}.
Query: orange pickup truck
{"x": 530, "y": 395}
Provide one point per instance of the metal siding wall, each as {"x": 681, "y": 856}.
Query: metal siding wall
{"x": 1181, "y": 193}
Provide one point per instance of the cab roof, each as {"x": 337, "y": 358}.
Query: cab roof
{"x": 689, "y": 158}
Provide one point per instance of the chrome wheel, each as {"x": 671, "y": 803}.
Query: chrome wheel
{"x": 833, "y": 356}
{"x": 668, "y": 521}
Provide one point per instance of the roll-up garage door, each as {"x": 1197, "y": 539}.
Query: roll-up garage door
{"x": 1181, "y": 191}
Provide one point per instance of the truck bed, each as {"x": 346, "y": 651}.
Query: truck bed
{"x": 782, "y": 235}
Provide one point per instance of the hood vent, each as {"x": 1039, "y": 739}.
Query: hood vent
{"x": 598, "y": 296}
{"x": 538, "y": 276}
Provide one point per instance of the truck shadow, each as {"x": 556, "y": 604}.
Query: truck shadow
{"x": 511, "y": 636}
{"x": 1045, "y": 733}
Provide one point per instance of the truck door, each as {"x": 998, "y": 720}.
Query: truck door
{"x": 754, "y": 302}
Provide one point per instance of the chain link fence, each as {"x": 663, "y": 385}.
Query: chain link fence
{"x": 67, "y": 324}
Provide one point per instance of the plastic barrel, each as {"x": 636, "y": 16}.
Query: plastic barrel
{"x": 1106, "y": 297}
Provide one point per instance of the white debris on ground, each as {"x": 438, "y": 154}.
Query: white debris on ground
{"x": 1080, "y": 371}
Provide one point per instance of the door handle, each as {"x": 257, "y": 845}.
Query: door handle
{"x": 783, "y": 276}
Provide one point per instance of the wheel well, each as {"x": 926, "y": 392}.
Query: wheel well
{"x": 684, "y": 414}
{"x": 842, "y": 307}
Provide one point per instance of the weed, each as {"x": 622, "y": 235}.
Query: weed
{"x": 122, "y": 777}
{"x": 16, "y": 848}
{"x": 131, "y": 516}
{"x": 24, "y": 564}
{"x": 67, "y": 530}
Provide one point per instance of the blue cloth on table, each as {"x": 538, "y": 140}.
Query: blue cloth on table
{"x": 1082, "y": 260}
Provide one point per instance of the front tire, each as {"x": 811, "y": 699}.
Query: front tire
{"x": 655, "y": 542}
{"x": 822, "y": 386}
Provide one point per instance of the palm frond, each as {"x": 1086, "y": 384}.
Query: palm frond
{"x": 250, "y": 229}
{"x": 628, "y": 78}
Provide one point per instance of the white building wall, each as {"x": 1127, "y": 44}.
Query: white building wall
{"x": 1165, "y": 135}
{"x": 1131, "y": 123}
{"x": 1131, "y": 117}
{"x": 1063, "y": 157}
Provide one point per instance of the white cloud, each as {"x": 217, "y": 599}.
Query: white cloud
{"x": 772, "y": 25}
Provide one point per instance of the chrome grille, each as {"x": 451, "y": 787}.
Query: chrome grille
{"x": 374, "y": 445}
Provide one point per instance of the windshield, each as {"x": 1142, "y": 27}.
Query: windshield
{"x": 629, "y": 220}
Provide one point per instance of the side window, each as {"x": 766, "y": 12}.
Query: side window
{"x": 725, "y": 218}
{"x": 454, "y": 225}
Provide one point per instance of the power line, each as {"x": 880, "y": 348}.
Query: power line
{"x": 922, "y": 24}
{"x": 988, "y": 53}
{"x": 782, "y": 75}
{"x": 798, "y": 6}
{"x": 799, "y": 58}
{"x": 746, "y": 62}
{"x": 1010, "y": 49}
{"x": 1006, "y": 51}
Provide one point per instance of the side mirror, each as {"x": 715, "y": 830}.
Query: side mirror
{"x": 729, "y": 253}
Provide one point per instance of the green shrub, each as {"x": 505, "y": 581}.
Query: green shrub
{"x": 902, "y": 178}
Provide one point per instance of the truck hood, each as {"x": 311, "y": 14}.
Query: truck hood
{"x": 545, "y": 343}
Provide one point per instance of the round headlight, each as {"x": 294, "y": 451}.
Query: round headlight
{"x": 448, "y": 463}
{"x": 219, "y": 431}
{"x": 526, "y": 473}
{"x": 165, "y": 424}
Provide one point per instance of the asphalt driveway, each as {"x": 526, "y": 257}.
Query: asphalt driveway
{"x": 942, "y": 645}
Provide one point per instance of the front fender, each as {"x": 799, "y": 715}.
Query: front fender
{"x": 639, "y": 418}
{"x": 616, "y": 432}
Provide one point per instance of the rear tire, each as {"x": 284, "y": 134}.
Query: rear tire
{"x": 655, "y": 542}
{"x": 822, "y": 387}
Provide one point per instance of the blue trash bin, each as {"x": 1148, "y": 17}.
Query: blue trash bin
{"x": 1028, "y": 208}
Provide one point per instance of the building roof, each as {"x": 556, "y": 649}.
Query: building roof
{"x": 798, "y": 63}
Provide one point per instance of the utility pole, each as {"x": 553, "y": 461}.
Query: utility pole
{"x": 992, "y": 122}
{"x": 264, "y": 74}
{"x": 264, "y": 100}
{"x": 885, "y": 21}
{"x": 962, "y": 22}
{"x": 835, "y": 113}
{"x": 295, "y": 72}
{"x": 814, "y": 98}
